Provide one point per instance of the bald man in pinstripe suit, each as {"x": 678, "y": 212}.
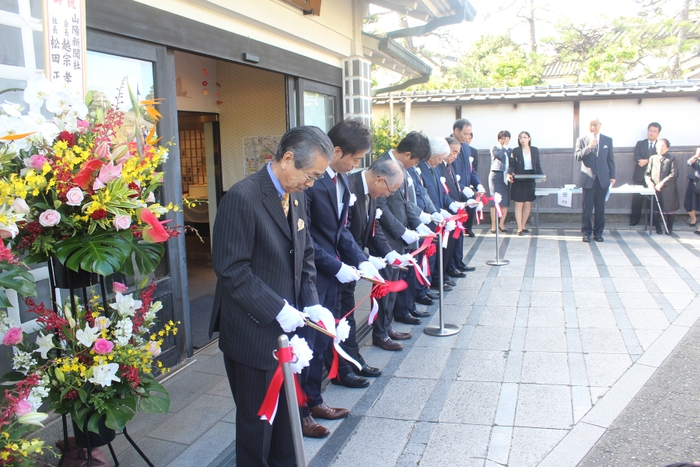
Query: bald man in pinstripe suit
{"x": 264, "y": 262}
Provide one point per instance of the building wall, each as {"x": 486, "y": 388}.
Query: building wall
{"x": 551, "y": 124}
{"x": 253, "y": 104}
{"x": 327, "y": 37}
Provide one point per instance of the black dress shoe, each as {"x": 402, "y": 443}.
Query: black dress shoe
{"x": 407, "y": 319}
{"x": 586, "y": 238}
{"x": 633, "y": 223}
{"x": 351, "y": 380}
{"x": 450, "y": 282}
{"x": 598, "y": 239}
{"x": 370, "y": 371}
{"x": 424, "y": 300}
{"x": 433, "y": 295}
{"x": 470, "y": 234}
{"x": 446, "y": 287}
{"x": 419, "y": 314}
{"x": 467, "y": 269}
{"x": 456, "y": 273}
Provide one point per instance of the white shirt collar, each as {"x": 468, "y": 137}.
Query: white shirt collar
{"x": 364, "y": 182}
{"x": 330, "y": 171}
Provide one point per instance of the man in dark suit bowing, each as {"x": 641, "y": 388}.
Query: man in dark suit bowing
{"x": 264, "y": 262}
{"x": 399, "y": 217}
{"x": 595, "y": 151}
{"x": 379, "y": 181}
{"x": 465, "y": 171}
{"x": 642, "y": 152}
{"x": 336, "y": 257}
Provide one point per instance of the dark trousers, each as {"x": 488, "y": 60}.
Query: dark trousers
{"x": 593, "y": 201}
{"x": 382, "y": 325}
{"x": 258, "y": 444}
{"x": 311, "y": 377}
{"x": 405, "y": 300}
{"x": 470, "y": 220}
{"x": 345, "y": 303}
{"x": 447, "y": 256}
{"x": 457, "y": 259}
{"x": 670, "y": 218}
{"x": 638, "y": 202}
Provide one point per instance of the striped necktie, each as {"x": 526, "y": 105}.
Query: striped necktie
{"x": 285, "y": 204}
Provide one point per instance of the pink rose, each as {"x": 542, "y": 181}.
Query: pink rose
{"x": 49, "y": 218}
{"x": 122, "y": 222}
{"x": 102, "y": 346}
{"x": 74, "y": 196}
{"x": 20, "y": 206}
{"x": 83, "y": 126}
{"x": 23, "y": 407}
{"x": 13, "y": 336}
{"x": 37, "y": 162}
{"x": 118, "y": 287}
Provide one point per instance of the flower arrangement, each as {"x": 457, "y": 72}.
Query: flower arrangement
{"x": 80, "y": 186}
{"x": 93, "y": 362}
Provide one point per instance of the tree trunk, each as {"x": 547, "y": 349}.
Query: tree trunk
{"x": 531, "y": 23}
{"x": 675, "y": 71}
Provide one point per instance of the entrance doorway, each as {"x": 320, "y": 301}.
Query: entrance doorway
{"x": 201, "y": 187}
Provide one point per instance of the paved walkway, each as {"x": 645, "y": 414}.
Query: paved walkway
{"x": 553, "y": 347}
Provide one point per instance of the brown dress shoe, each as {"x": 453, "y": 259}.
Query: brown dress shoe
{"x": 323, "y": 411}
{"x": 386, "y": 343}
{"x": 399, "y": 336}
{"x": 312, "y": 429}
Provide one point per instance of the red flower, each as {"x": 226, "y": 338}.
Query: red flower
{"x": 67, "y": 137}
{"x": 154, "y": 232}
{"x": 98, "y": 214}
{"x": 135, "y": 187}
{"x": 86, "y": 174}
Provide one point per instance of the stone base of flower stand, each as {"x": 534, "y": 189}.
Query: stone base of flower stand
{"x": 88, "y": 439}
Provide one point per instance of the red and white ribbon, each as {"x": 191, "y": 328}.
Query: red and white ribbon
{"x": 268, "y": 409}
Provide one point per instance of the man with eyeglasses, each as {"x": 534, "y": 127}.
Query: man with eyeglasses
{"x": 264, "y": 262}
{"x": 401, "y": 223}
{"x": 336, "y": 257}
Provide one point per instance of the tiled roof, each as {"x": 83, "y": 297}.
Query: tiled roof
{"x": 547, "y": 92}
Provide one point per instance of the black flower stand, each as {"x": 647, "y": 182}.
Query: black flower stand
{"x": 61, "y": 277}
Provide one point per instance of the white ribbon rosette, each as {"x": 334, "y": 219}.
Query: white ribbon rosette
{"x": 302, "y": 352}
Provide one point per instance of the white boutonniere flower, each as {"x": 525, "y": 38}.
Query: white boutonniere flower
{"x": 378, "y": 214}
{"x": 418, "y": 171}
{"x": 353, "y": 198}
{"x": 459, "y": 177}
{"x": 410, "y": 181}
{"x": 443, "y": 180}
{"x": 471, "y": 159}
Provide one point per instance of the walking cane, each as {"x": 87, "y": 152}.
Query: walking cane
{"x": 661, "y": 212}
{"x": 293, "y": 406}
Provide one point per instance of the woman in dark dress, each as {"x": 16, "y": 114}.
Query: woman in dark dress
{"x": 525, "y": 160}
{"x": 500, "y": 178}
{"x": 661, "y": 174}
{"x": 692, "y": 200}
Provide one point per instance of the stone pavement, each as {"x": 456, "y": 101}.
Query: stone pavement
{"x": 553, "y": 348}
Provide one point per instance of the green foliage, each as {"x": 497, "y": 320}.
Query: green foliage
{"x": 103, "y": 253}
{"x": 493, "y": 61}
{"x": 15, "y": 277}
{"x": 382, "y": 139}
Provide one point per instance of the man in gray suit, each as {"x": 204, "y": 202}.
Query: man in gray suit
{"x": 264, "y": 263}
{"x": 400, "y": 216}
{"x": 595, "y": 151}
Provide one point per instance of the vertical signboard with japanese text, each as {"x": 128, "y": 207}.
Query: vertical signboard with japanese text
{"x": 64, "y": 42}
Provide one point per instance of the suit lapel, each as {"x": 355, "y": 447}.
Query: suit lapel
{"x": 271, "y": 201}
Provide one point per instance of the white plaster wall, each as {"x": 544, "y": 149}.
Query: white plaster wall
{"x": 551, "y": 124}
{"x": 327, "y": 38}
{"x": 192, "y": 72}
{"x": 626, "y": 120}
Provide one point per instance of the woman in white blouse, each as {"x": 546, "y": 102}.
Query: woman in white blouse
{"x": 525, "y": 160}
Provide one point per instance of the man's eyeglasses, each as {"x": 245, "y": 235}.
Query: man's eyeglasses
{"x": 312, "y": 179}
{"x": 391, "y": 192}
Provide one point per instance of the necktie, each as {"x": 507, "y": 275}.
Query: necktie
{"x": 437, "y": 184}
{"x": 652, "y": 147}
{"x": 335, "y": 179}
{"x": 285, "y": 204}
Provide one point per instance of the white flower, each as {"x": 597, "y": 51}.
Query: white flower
{"x": 302, "y": 352}
{"x": 20, "y": 206}
{"x": 342, "y": 331}
{"x": 58, "y": 103}
{"x": 34, "y": 418}
{"x": 157, "y": 209}
{"x": 418, "y": 171}
{"x": 12, "y": 109}
{"x": 104, "y": 374}
{"x": 153, "y": 348}
{"x": 443, "y": 180}
{"x": 123, "y": 331}
{"x": 378, "y": 214}
{"x": 353, "y": 198}
{"x": 458, "y": 177}
{"x": 497, "y": 198}
{"x": 152, "y": 310}
{"x": 22, "y": 361}
{"x": 151, "y": 198}
{"x": 45, "y": 343}
{"x": 125, "y": 304}
{"x": 88, "y": 336}
{"x": 37, "y": 90}
{"x": 102, "y": 322}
